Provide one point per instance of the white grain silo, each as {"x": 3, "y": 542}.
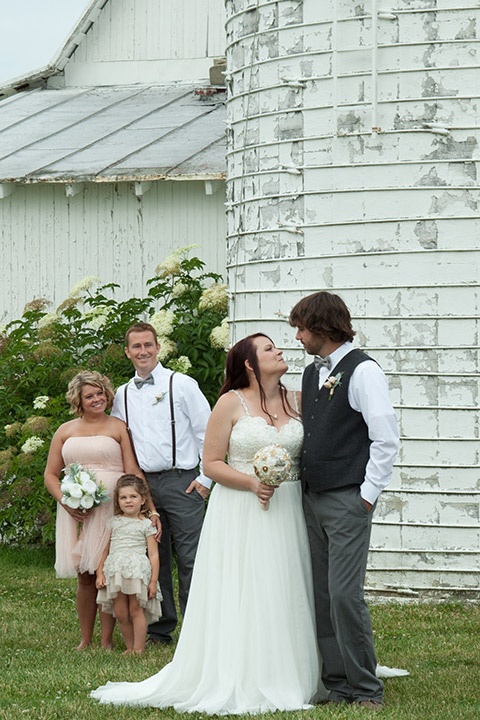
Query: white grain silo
{"x": 353, "y": 145}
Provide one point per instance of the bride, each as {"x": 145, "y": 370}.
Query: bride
{"x": 248, "y": 641}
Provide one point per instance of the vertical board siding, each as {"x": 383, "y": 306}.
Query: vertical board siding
{"x": 388, "y": 218}
{"x": 49, "y": 242}
{"x": 154, "y": 29}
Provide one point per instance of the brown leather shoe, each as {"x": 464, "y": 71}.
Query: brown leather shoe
{"x": 370, "y": 704}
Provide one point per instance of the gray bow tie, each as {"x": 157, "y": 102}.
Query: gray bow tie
{"x": 140, "y": 382}
{"x": 322, "y": 362}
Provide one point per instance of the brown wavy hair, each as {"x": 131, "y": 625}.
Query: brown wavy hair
{"x": 138, "y": 484}
{"x": 323, "y": 313}
{"x": 88, "y": 377}
{"x": 236, "y": 374}
{"x": 140, "y": 327}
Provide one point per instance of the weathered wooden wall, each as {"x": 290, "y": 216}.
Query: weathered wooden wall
{"x": 353, "y": 167}
{"x": 137, "y": 40}
{"x": 48, "y": 241}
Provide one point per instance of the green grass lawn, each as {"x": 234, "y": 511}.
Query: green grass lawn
{"x": 43, "y": 677}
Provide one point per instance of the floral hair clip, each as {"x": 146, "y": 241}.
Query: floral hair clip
{"x": 333, "y": 382}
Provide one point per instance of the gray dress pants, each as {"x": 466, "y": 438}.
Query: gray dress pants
{"x": 339, "y": 528}
{"x": 182, "y": 517}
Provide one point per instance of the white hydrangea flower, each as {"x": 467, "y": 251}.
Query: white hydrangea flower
{"x": 40, "y": 402}
{"x": 183, "y": 364}
{"x": 47, "y": 319}
{"x": 97, "y": 317}
{"x": 83, "y": 285}
{"x": 163, "y": 321}
{"x": 179, "y": 289}
{"x": 170, "y": 266}
{"x": 32, "y": 444}
{"x": 215, "y": 297}
{"x": 219, "y": 337}
{"x": 167, "y": 348}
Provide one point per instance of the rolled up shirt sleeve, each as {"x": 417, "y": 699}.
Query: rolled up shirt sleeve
{"x": 368, "y": 394}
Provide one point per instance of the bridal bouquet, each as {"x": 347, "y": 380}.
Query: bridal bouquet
{"x": 80, "y": 490}
{"x": 272, "y": 466}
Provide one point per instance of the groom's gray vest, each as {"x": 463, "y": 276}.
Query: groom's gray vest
{"x": 336, "y": 445}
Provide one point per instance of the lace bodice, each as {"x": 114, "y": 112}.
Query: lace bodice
{"x": 128, "y": 546}
{"x": 250, "y": 434}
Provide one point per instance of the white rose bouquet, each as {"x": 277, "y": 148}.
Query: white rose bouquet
{"x": 80, "y": 490}
{"x": 272, "y": 466}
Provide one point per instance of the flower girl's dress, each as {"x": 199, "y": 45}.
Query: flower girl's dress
{"x": 127, "y": 568}
{"x": 248, "y": 641}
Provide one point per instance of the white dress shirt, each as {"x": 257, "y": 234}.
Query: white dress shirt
{"x": 149, "y": 421}
{"x": 368, "y": 394}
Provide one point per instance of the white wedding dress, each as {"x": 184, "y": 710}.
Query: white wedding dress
{"x": 248, "y": 641}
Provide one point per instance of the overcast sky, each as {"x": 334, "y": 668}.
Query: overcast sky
{"x": 31, "y": 32}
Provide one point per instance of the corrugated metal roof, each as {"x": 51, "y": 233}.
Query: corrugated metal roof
{"x": 117, "y": 133}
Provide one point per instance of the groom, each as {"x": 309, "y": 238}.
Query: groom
{"x": 351, "y": 441}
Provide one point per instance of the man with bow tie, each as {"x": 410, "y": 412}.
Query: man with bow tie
{"x": 167, "y": 415}
{"x": 351, "y": 441}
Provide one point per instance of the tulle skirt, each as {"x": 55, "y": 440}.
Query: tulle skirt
{"x": 117, "y": 582}
{"x": 248, "y": 642}
{"x": 79, "y": 546}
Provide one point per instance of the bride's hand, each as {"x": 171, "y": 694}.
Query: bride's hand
{"x": 263, "y": 492}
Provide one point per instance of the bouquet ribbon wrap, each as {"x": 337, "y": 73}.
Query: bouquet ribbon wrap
{"x": 272, "y": 465}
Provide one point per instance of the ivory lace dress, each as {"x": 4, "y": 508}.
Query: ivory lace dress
{"x": 127, "y": 568}
{"x": 248, "y": 641}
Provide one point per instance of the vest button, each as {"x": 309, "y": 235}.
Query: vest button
{"x": 313, "y": 417}
{"x": 316, "y": 399}
{"x": 308, "y": 434}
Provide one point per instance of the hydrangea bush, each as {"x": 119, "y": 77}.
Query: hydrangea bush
{"x": 43, "y": 350}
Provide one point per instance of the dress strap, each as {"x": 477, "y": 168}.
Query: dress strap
{"x": 242, "y": 400}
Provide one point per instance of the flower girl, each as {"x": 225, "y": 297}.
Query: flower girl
{"x": 126, "y": 578}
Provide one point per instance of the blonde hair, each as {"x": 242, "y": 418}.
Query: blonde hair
{"x": 88, "y": 377}
{"x": 139, "y": 485}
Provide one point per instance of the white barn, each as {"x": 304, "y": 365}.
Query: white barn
{"x": 352, "y": 154}
{"x": 114, "y": 154}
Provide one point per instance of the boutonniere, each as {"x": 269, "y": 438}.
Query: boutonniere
{"x": 159, "y": 398}
{"x": 333, "y": 382}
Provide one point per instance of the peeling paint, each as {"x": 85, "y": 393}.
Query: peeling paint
{"x": 435, "y": 88}
{"x": 431, "y": 178}
{"x": 450, "y": 148}
{"x": 380, "y": 222}
{"x": 468, "y": 32}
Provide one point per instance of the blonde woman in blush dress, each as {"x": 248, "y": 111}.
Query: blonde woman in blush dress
{"x": 101, "y": 444}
